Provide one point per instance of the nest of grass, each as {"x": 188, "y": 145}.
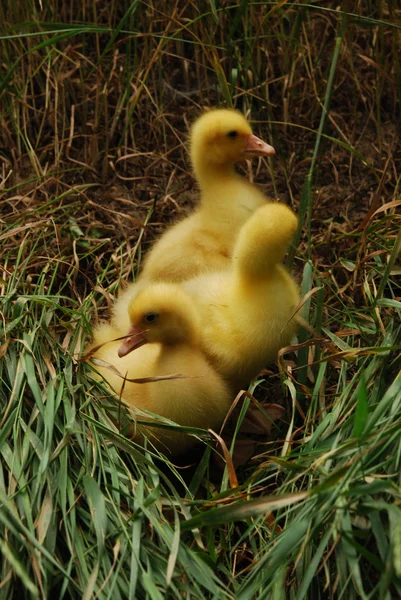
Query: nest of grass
{"x": 95, "y": 106}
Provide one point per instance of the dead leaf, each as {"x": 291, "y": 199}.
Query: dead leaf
{"x": 4, "y": 347}
{"x": 232, "y": 476}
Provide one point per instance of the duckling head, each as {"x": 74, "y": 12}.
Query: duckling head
{"x": 160, "y": 313}
{"x": 223, "y": 137}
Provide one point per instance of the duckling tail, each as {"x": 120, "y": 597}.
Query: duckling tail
{"x": 264, "y": 240}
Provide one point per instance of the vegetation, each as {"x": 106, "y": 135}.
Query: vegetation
{"x": 95, "y": 102}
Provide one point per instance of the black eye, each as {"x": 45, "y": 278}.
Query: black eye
{"x": 232, "y": 134}
{"x": 150, "y": 317}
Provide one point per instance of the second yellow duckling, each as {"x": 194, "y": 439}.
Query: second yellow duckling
{"x": 165, "y": 334}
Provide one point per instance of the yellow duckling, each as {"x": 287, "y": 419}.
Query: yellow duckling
{"x": 165, "y": 334}
{"x": 204, "y": 241}
{"x": 245, "y": 313}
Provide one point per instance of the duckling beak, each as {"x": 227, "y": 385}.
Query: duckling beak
{"x": 135, "y": 338}
{"x": 257, "y": 147}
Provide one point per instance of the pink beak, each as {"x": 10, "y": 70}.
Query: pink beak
{"x": 135, "y": 340}
{"x": 257, "y": 147}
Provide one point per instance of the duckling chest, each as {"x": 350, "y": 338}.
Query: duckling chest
{"x": 230, "y": 204}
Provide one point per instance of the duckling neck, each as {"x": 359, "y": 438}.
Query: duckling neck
{"x": 185, "y": 330}
{"x": 210, "y": 176}
{"x": 184, "y": 337}
{"x": 222, "y": 189}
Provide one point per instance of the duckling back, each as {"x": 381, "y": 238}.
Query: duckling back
{"x": 245, "y": 321}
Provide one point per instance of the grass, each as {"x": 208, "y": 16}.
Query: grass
{"x": 94, "y": 104}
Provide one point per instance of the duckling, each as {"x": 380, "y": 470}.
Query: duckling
{"x": 247, "y": 313}
{"x": 164, "y": 331}
{"x": 204, "y": 241}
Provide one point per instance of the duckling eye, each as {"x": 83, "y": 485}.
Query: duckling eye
{"x": 232, "y": 134}
{"x": 151, "y": 317}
